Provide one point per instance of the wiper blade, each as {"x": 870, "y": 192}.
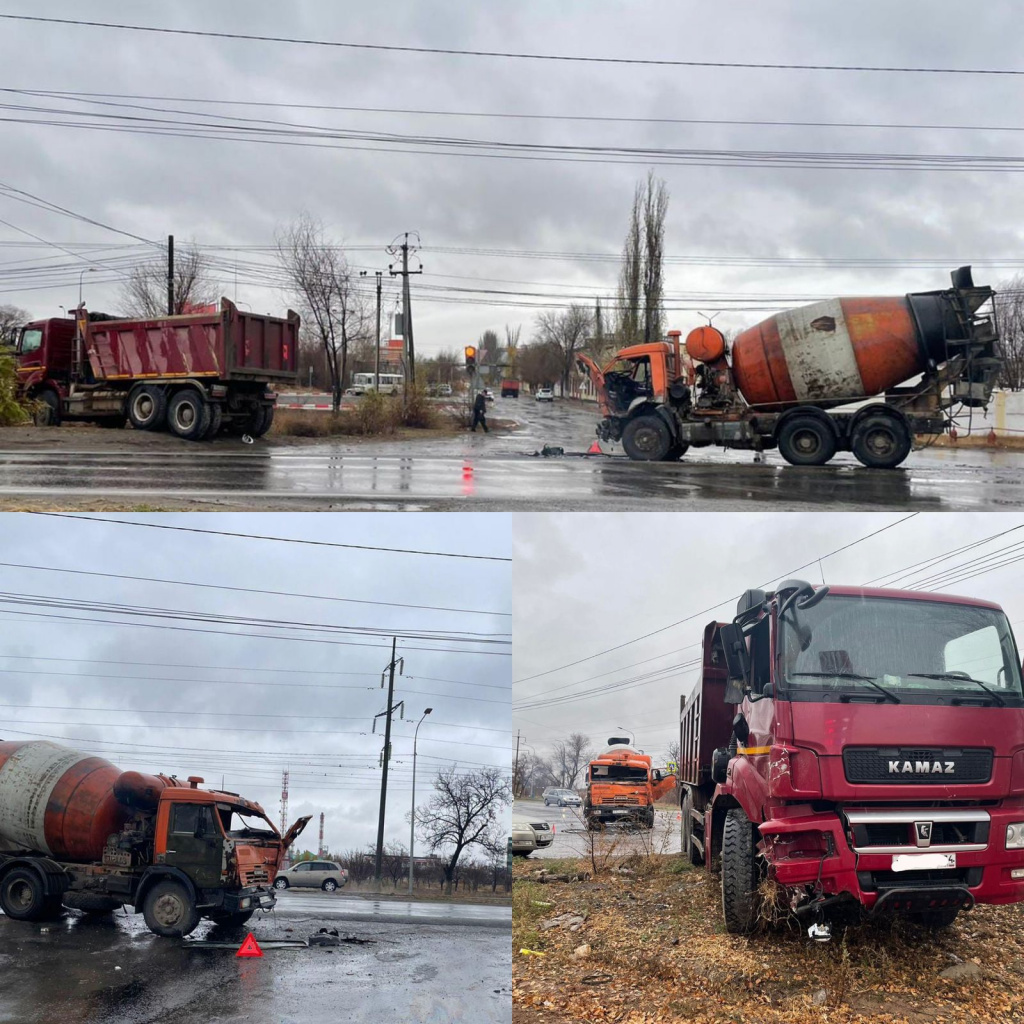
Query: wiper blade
{"x": 888, "y": 694}
{"x": 967, "y": 679}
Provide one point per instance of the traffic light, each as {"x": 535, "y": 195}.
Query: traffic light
{"x": 470, "y": 351}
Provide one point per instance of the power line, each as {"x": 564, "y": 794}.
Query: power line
{"x": 512, "y": 55}
{"x": 250, "y": 590}
{"x": 282, "y": 540}
{"x": 511, "y": 115}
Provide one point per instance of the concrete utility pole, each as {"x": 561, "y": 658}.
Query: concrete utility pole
{"x": 515, "y": 768}
{"x": 412, "y": 816}
{"x": 376, "y": 365}
{"x": 170, "y": 275}
{"x": 406, "y": 250}
{"x": 385, "y": 757}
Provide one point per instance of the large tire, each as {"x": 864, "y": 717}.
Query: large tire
{"x": 23, "y": 895}
{"x": 807, "y": 441}
{"x": 47, "y": 412}
{"x": 147, "y": 407}
{"x": 647, "y": 439}
{"x": 689, "y": 851}
{"x": 262, "y": 421}
{"x": 188, "y": 415}
{"x": 91, "y": 903}
{"x": 881, "y": 441}
{"x": 169, "y": 910}
{"x": 677, "y": 451}
{"x": 740, "y": 875}
{"x": 935, "y": 918}
{"x": 216, "y": 421}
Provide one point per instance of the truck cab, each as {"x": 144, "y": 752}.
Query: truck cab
{"x": 622, "y": 786}
{"x": 863, "y": 750}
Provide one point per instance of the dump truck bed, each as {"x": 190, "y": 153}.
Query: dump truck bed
{"x": 228, "y": 344}
{"x": 705, "y": 720}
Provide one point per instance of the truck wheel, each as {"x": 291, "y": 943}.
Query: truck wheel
{"x": 807, "y": 441}
{"x": 169, "y": 910}
{"x": 23, "y": 897}
{"x": 646, "y": 439}
{"x": 935, "y": 918}
{"x": 216, "y": 422}
{"x": 147, "y": 407}
{"x": 686, "y": 831}
{"x": 91, "y": 902}
{"x": 47, "y": 413}
{"x": 881, "y": 441}
{"x": 676, "y": 452}
{"x": 188, "y": 415}
{"x": 262, "y": 420}
{"x": 740, "y": 875}
{"x": 649, "y": 818}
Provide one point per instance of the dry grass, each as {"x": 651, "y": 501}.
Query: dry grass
{"x": 659, "y": 943}
{"x": 373, "y": 416}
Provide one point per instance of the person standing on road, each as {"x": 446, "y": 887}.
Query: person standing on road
{"x": 480, "y": 412}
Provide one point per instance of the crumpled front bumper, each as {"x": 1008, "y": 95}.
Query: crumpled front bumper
{"x": 813, "y": 850}
{"x": 250, "y": 898}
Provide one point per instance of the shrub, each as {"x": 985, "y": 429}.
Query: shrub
{"x": 12, "y": 409}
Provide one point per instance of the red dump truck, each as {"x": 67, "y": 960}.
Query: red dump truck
{"x": 622, "y": 786}
{"x": 801, "y": 381}
{"x": 862, "y": 751}
{"x": 193, "y": 374}
{"x": 77, "y": 832}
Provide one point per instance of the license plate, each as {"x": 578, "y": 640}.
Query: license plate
{"x": 923, "y": 861}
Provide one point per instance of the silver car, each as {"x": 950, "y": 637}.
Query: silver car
{"x": 312, "y": 874}
{"x": 526, "y": 837}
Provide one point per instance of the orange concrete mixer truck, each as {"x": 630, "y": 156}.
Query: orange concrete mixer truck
{"x": 803, "y": 381}
{"x": 77, "y": 832}
{"x": 623, "y": 786}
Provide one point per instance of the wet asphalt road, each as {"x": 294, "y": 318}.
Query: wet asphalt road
{"x": 497, "y": 471}
{"x": 112, "y": 970}
{"x": 293, "y": 901}
{"x": 573, "y": 840}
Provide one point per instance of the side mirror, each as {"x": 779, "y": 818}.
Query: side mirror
{"x": 737, "y": 661}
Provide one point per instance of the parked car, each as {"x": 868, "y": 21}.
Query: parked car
{"x": 444, "y": 391}
{"x": 562, "y": 798}
{"x": 312, "y": 874}
{"x": 527, "y": 837}
{"x": 544, "y": 395}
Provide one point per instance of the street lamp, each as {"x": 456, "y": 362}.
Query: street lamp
{"x": 632, "y": 735}
{"x": 412, "y": 816}
{"x": 87, "y": 270}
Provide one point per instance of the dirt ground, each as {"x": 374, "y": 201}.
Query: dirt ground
{"x": 652, "y": 948}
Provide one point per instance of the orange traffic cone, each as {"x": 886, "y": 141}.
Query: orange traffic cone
{"x": 595, "y": 449}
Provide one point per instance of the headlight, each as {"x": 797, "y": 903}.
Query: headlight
{"x": 1015, "y": 836}
{"x": 244, "y": 904}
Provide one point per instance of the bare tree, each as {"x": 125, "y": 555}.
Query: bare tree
{"x": 395, "y": 862}
{"x": 489, "y": 346}
{"x": 540, "y": 363}
{"x": 570, "y": 757}
{"x": 326, "y": 294}
{"x": 12, "y": 319}
{"x": 640, "y": 277}
{"x": 1010, "y": 314}
{"x": 512, "y": 347}
{"x": 144, "y": 293}
{"x": 567, "y": 330}
{"x": 464, "y": 812}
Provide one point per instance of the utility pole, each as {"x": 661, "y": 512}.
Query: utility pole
{"x": 320, "y": 849}
{"x": 170, "y": 275}
{"x": 385, "y": 757}
{"x": 515, "y": 769}
{"x": 404, "y": 273}
{"x": 376, "y": 365}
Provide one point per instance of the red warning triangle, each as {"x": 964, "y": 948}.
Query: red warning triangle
{"x": 595, "y": 449}
{"x": 250, "y": 947}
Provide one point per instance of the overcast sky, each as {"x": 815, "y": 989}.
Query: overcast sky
{"x": 240, "y": 193}
{"x": 585, "y": 583}
{"x": 76, "y": 682}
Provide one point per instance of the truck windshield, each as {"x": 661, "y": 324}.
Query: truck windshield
{"x": 243, "y": 824}
{"x": 900, "y": 651}
{"x": 617, "y": 773}
{"x": 31, "y": 340}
